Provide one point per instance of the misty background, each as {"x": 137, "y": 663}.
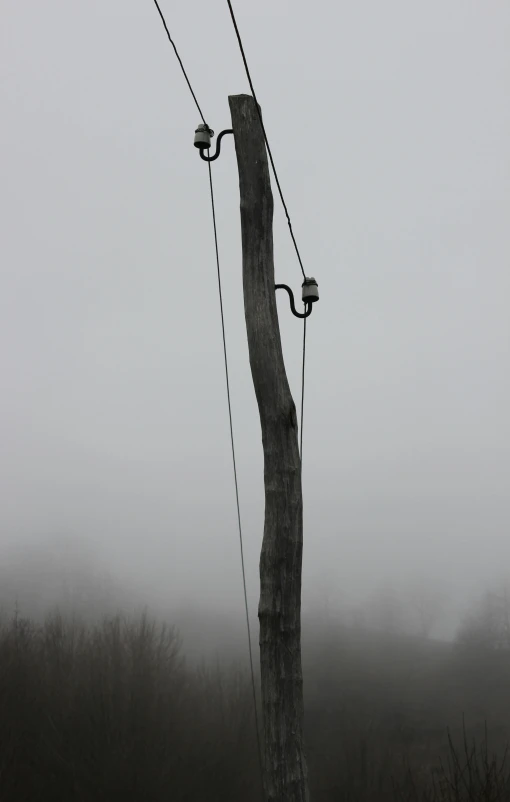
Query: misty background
{"x": 389, "y": 124}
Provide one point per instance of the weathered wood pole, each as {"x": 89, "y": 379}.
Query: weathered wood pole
{"x": 286, "y": 776}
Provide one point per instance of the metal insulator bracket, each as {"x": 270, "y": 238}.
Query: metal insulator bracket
{"x": 310, "y": 295}
{"x": 202, "y": 141}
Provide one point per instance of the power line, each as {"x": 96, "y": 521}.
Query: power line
{"x": 179, "y": 60}
{"x": 234, "y": 464}
{"x": 228, "y": 403}
{"x": 284, "y": 206}
{"x": 265, "y": 136}
{"x": 302, "y": 394}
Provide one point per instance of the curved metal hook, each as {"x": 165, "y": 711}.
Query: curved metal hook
{"x": 309, "y": 305}
{"x": 218, "y": 146}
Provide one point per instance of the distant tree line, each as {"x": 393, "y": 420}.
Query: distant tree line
{"x": 111, "y": 712}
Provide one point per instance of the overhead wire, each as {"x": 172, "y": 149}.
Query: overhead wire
{"x": 240, "y": 42}
{"x": 289, "y": 223}
{"x": 302, "y": 394}
{"x": 229, "y": 404}
{"x": 179, "y": 60}
{"x": 234, "y": 462}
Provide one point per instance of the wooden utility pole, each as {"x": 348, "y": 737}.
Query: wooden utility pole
{"x": 286, "y": 776}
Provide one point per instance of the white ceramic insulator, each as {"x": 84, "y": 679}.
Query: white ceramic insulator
{"x": 202, "y": 138}
{"x": 310, "y": 292}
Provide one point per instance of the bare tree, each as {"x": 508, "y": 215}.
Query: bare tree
{"x": 487, "y": 626}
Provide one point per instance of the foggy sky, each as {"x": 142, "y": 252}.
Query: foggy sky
{"x": 389, "y": 123}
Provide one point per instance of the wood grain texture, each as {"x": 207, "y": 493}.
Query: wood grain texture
{"x": 282, "y": 547}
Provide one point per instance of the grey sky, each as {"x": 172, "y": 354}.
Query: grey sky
{"x": 390, "y": 125}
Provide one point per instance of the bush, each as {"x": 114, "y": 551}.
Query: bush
{"x": 110, "y": 712}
